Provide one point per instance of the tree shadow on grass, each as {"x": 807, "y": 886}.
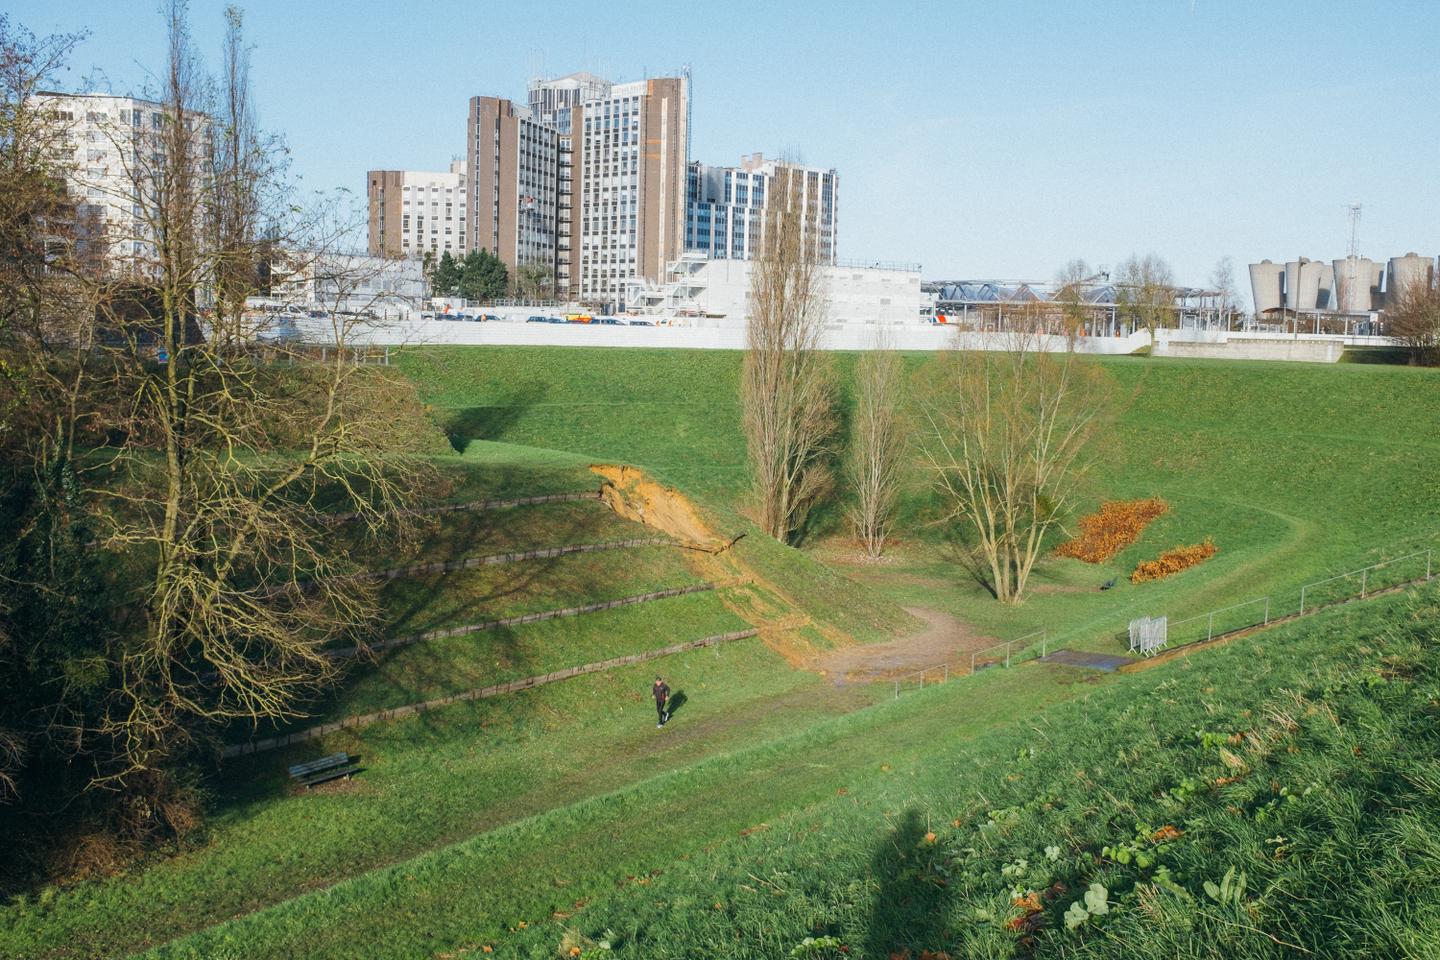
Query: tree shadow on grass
{"x": 908, "y": 914}
{"x": 491, "y": 421}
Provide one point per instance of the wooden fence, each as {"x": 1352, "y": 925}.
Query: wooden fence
{"x": 468, "y": 563}
{"x": 469, "y": 628}
{"x": 481, "y": 505}
{"x": 414, "y": 709}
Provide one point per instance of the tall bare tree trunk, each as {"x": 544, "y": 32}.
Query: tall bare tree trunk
{"x": 787, "y": 385}
{"x": 877, "y": 445}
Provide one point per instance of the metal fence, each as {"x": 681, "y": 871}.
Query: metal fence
{"x": 1016, "y": 651}
{"x": 1372, "y": 578}
{"x": 1390, "y": 574}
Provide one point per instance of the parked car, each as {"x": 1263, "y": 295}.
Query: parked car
{"x": 488, "y": 318}
{"x": 608, "y": 321}
{"x": 537, "y": 320}
{"x": 427, "y": 315}
{"x": 555, "y": 320}
{"x": 641, "y": 323}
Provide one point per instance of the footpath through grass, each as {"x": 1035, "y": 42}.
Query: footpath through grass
{"x": 1272, "y": 798}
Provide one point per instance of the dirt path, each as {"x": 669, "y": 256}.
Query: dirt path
{"x": 943, "y": 640}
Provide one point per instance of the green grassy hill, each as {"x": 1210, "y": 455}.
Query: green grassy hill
{"x": 779, "y": 805}
{"x": 1297, "y": 471}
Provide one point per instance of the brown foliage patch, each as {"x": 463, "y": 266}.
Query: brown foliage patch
{"x": 1174, "y": 560}
{"x": 1116, "y": 525}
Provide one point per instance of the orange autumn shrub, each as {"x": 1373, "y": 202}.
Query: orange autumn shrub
{"x": 1174, "y": 560}
{"x": 1116, "y": 525}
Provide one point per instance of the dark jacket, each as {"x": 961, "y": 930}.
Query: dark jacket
{"x": 661, "y": 691}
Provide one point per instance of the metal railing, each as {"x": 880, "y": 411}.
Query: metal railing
{"x": 1364, "y": 573}
{"x": 1368, "y": 586}
{"x": 1009, "y": 647}
{"x": 1209, "y": 618}
{"x": 943, "y": 669}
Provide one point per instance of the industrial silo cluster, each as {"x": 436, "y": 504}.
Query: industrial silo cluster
{"x": 1353, "y": 286}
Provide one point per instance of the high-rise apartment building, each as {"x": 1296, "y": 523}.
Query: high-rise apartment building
{"x": 630, "y": 157}
{"x": 725, "y": 218}
{"x": 513, "y": 176}
{"x": 415, "y": 212}
{"x": 117, "y": 162}
{"x": 589, "y": 181}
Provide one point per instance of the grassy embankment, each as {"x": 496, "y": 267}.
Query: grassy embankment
{"x": 1297, "y": 471}
{"x": 1301, "y": 762}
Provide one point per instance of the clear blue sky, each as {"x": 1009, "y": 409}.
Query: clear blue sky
{"x": 991, "y": 139}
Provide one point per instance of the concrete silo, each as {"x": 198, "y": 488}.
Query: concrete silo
{"x": 1355, "y": 282}
{"x": 1302, "y": 284}
{"x": 1325, "y": 288}
{"x": 1265, "y": 286}
{"x": 1404, "y": 271}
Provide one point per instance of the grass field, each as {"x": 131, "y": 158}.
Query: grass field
{"x": 779, "y": 806}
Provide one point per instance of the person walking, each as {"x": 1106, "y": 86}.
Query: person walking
{"x": 662, "y": 697}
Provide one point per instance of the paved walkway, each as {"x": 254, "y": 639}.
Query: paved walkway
{"x": 1092, "y": 661}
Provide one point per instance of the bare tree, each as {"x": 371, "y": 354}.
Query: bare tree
{"x": 1413, "y": 320}
{"x": 1146, "y": 292}
{"x": 1009, "y": 439}
{"x": 1222, "y": 281}
{"x": 877, "y": 444}
{"x": 228, "y": 457}
{"x": 1070, "y": 283}
{"x": 787, "y": 387}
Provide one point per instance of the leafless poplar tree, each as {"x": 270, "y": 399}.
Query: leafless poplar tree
{"x": 787, "y": 386}
{"x": 877, "y": 444}
{"x": 1008, "y": 441}
{"x": 1146, "y": 291}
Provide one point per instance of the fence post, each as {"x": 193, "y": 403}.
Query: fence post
{"x": 1302, "y": 601}
{"x": 1210, "y": 627}
{"x": 1267, "y": 611}
{"x": 922, "y": 679}
{"x": 1007, "y": 653}
{"x": 897, "y": 689}
{"x": 947, "y": 673}
{"x": 1364, "y": 576}
{"x": 972, "y": 662}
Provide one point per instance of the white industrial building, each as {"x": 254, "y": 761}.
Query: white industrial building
{"x": 701, "y": 292}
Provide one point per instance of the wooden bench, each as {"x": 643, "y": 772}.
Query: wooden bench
{"x": 326, "y": 768}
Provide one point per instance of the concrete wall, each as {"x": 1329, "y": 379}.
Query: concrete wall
{"x": 417, "y": 332}
{"x": 1220, "y": 347}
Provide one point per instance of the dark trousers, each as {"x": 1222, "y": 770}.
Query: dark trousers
{"x": 660, "y": 710}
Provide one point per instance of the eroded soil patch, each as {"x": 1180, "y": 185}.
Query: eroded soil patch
{"x": 943, "y": 639}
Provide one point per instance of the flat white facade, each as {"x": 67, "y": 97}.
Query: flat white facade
{"x": 415, "y": 212}
{"x": 113, "y": 144}
{"x": 717, "y": 293}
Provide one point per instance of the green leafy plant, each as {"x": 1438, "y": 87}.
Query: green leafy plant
{"x": 1094, "y": 903}
{"x": 1230, "y": 892}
